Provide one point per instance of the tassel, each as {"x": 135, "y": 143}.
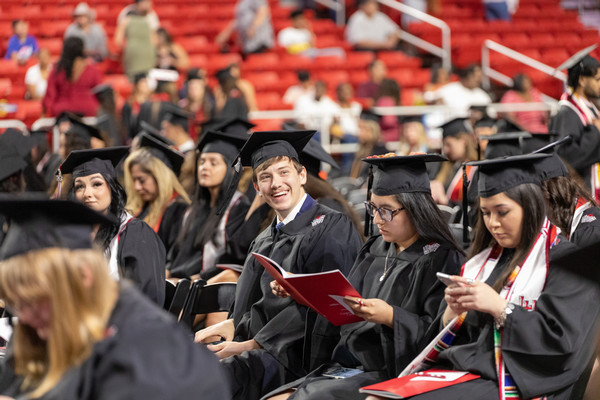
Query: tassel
{"x": 231, "y": 187}
{"x": 465, "y": 206}
{"x": 368, "y": 218}
{"x": 59, "y": 179}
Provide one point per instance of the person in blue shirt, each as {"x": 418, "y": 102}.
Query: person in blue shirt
{"x": 21, "y": 45}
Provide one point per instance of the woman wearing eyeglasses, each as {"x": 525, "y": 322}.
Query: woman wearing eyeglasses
{"x": 395, "y": 273}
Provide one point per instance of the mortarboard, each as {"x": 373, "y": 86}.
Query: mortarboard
{"x": 103, "y": 88}
{"x": 401, "y": 174}
{"x": 505, "y": 126}
{"x": 505, "y": 144}
{"x": 13, "y": 138}
{"x": 576, "y": 58}
{"x": 172, "y": 158}
{"x": 228, "y": 125}
{"x": 67, "y": 116}
{"x": 79, "y": 128}
{"x": 93, "y": 161}
{"x": 155, "y": 133}
{"x": 552, "y": 166}
{"x": 224, "y": 143}
{"x": 262, "y": 146}
{"x": 10, "y": 162}
{"x": 454, "y": 127}
{"x": 313, "y": 154}
{"x": 538, "y": 140}
{"x": 500, "y": 174}
{"x": 412, "y": 118}
{"x": 38, "y": 223}
{"x": 486, "y": 122}
{"x": 177, "y": 116}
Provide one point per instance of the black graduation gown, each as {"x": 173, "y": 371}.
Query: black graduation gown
{"x": 412, "y": 288}
{"x": 141, "y": 257}
{"x": 187, "y": 260}
{"x": 545, "y": 350}
{"x": 146, "y": 355}
{"x": 588, "y": 230}
{"x": 171, "y": 223}
{"x": 317, "y": 240}
{"x": 584, "y": 150}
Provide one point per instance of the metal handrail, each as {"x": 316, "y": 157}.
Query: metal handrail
{"x": 443, "y": 52}
{"x": 489, "y": 72}
{"x": 14, "y": 123}
{"x": 339, "y": 7}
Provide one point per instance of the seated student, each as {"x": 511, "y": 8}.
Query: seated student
{"x": 217, "y": 208}
{"x": 526, "y": 320}
{"x": 78, "y": 334}
{"x": 396, "y": 273}
{"x": 133, "y": 250}
{"x": 265, "y": 337}
{"x": 153, "y": 192}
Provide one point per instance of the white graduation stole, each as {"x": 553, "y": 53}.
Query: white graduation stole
{"x": 112, "y": 251}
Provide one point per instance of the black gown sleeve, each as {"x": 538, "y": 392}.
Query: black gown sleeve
{"x": 171, "y": 223}
{"x": 240, "y": 239}
{"x": 584, "y": 150}
{"x": 141, "y": 256}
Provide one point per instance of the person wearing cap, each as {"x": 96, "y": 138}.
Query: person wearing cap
{"x": 370, "y": 143}
{"x": 154, "y": 193}
{"x": 217, "y": 210}
{"x": 93, "y": 35}
{"x": 79, "y": 136}
{"x": 106, "y": 117}
{"x": 198, "y": 100}
{"x": 395, "y": 271}
{"x": 513, "y": 314}
{"x": 265, "y": 336}
{"x": 579, "y": 118}
{"x": 459, "y": 146}
{"x": 414, "y": 136}
{"x": 45, "y": 161}
{"x": 175, "y": 125}
{"x": 88, "y": 336}
{"x": 11, "y": 177}
{"x": 230, "y": 100}
{"x": 133, "y": 250}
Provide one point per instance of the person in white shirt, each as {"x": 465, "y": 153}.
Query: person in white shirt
{"x": 370, "y": 29}
{"x": 304, "y": 87}
{"x": 36, "y": 78}
{"x": 461, "y": 95}
{"x": 317, "y": 110}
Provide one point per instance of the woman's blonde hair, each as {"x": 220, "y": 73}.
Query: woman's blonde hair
{"x": 166, "y": 182}
{"x": 80, "y": 309}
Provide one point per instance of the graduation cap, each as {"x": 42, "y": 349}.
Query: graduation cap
{"x": 262, "y": 146}
{"x": 228, "y": 125}
{"x": 67, "y": 116}
{"x": 13, "y": 138}
{"x": 505, "y": 126}
{"x": 177, "y": 116}
{"x": 500, "y": 174}
{"x": 81, "y": 129}
{"x": 103, "y": 88}
{"x": 149, "y": 129}
{"x": 224, "y": 143}
{"x": 312, "y": 155}
{"x": 539, "y": 140}
{"x": 576, "y": 58}
{"x": 454, "y": 127}
{"x": 552, "y": 166}
{"x": 38, "y": 223}
{"x": 486, "y": 122}
{"x": 412, "y": 118}
{"x": 505, "y": 144}
{"x": 172, "y": 158}
{"x": 401, "y": 174}
{"x": 93, "y": 161}
{"x": 10, "y": 162}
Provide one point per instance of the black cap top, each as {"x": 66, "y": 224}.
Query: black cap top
{"x": 68, "y": 116}
{"x": 401, "y": 174}
{"x": 10, "y": 162}
{"x": 176, "y": 116}
{"x": 228, "y": 125}
{"x": 172, "y": 158}
{"x": 500, "y": 174}
{"x": 454, "y": 127}
{"x": 576, "y": 58}
{"x": 505, "y": 126}
{"x": 102, "y": 88}
{"x": 412, "y": 118}
{"x": 539, "y": 140}
{"x": 312, "y": 155}
{"x": 226, "y": 144}
{"x": 486, "y": 122}
{"x": 82, "y": 129}
{"x": 505, "y": 144}
{"x": 262, "y": 146}
{"x": 552, "y": 166}
{"x": 38, "y": 223}
{"x": 149, "y": 129}
{"x": 94, "y": 161}
{"x": 15, "y": 139}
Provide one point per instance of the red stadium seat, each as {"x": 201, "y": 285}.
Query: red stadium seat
{"x": 396, "y": 59}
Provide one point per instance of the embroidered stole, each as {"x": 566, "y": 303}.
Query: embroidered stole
{"x": 587, "y": 112}
{"x": 455, "y": 190}
{"x": 580, "y": 208}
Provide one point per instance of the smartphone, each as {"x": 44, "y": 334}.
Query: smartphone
{"x": 341, "y": 372}
{"x": 445, "y": 278}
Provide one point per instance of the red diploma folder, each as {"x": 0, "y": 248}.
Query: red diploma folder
{"x": 420, "y": 382}
{"x": 323, "y": 291}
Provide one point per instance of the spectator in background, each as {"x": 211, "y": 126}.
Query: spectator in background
{"x": 252, "y": 22}
{"x": 245, "y": 86}
{"x": 304, "y": 87}
{"x": 524, "y": 92}
{"x": 414, "y": 136}
{"x": 137, "y": 34}
{"x": 146, "y": 7}
{"x": 389, "y": 96}
{"x": 93, "y": 35}
{"x": 347, "y": 122}
{"x": 467, "y": 92}
{"x": 370, "y": 29}
{"x": 440, "y": 76}
{"x": 71, "y": 81}
{"x": 199, "y": 101}
{"x": 21, "y": 46}
{"x": 131, "y": 109}
{"x": 107, "y": 120}
{"x": 317, "y": 111}
{"x": 175, "y": 127}
{"x": 370, "y": 89}
{"x": 170, "y": 55}
{"x": 369, "y": 139}
{"x": 36, "y": 78}
{"x": 230, "y": 100}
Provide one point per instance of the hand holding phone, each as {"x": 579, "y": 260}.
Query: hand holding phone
{"x": 447, "y": 279}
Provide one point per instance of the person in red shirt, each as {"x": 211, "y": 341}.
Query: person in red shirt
{"x": 71, "y": 81}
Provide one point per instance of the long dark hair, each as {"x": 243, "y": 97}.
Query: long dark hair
{"x": 72, "y": 48}
{"x": 118, "y": 199}
{"x": 426, "y": 218}
{"x": 529, "y": 197}
{"x": 561, "y": 194}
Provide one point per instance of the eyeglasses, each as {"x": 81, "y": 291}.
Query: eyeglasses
{"x": 384, "y": 213}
